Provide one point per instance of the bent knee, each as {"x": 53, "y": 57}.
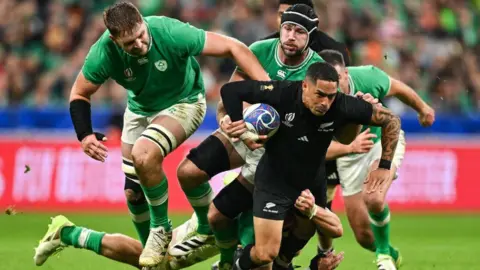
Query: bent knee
{"x": 189, "y": 175}
{"x": 266, "y": 254}
{"x": 133, "y": 196}
{"x": 216, "y": 219}
{"x": 144, "y": 157}
{"x": 374, "y": 201}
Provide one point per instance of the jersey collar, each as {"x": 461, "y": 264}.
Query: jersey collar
{"x": 280, "y": 63}
{"x": 351, "y": 86}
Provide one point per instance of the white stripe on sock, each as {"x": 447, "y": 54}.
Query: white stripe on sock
{"x": 159, "y": 201}
{"x": 139, "y": 218}
{"x": 203, "y": 200}
{"x": 380, "y": 223}
{"x": 83, "y": 237}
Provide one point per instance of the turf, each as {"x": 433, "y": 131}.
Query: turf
{"x": 431, "y": 241}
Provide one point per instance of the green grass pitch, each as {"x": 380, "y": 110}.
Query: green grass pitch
{"x": 427, "y": 241}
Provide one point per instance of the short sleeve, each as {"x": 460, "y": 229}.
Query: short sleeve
{"x": 97, "y": 64}
{"x": 370, "y": 79}
{"x": 354, "y": 110}
{"x": 187, "y": 40}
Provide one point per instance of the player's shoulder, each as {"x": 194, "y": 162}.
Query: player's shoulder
{"x": 289, "y": 89}
{"x": 266, "y": 44}
{"x": 363, "y": 70}
{"x": 161, "y": 21}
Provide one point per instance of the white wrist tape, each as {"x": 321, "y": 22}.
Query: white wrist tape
{"x": 313, "y": 211}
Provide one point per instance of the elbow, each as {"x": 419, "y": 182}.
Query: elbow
{"x": 338, "y": 231}
{"x": 335, "y": 230}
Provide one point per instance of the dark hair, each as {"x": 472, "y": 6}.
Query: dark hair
{"x": 333, "y": 57}
{"x": 294, "y": 2}
{"x": 322, "y": 71}
{"x": 121, "y": 18}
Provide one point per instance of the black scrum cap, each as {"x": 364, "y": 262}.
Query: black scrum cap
{"x": 294, "y": 2}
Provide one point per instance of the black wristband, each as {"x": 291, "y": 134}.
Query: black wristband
{"x": 81, "y": 115}
{"x": 385, "y": 164}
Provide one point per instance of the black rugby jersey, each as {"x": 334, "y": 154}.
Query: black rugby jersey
{"x": 297, "y": 151}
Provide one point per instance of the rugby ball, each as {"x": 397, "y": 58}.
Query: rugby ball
{"x": 261, "y": 119}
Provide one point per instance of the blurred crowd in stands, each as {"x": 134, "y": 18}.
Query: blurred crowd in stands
{"x": 433, "y": 45}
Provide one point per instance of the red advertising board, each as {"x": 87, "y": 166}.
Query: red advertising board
{"x": 57, "y": 176}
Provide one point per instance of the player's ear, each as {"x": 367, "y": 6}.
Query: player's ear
{"x": 304, "y": 85}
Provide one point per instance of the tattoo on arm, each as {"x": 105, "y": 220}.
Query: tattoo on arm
{"x": 391, "y": 126}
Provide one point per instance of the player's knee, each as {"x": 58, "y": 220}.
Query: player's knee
{"x": 266, "y": 254}
{"x": 145, "y": 158}
{"x": 216, "y": 219}
{"x": 189, "y": 175}
{"x": 374, "y": 201}
{"x": 134, "y": 197}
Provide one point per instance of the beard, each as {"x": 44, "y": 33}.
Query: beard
{"x": 290, "y": 52}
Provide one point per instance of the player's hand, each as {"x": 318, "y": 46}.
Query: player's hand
{"x": 93, "y": 147}
{"x": 363, "y": 142}
{"x": 232, "y": 129}
{"x": 255, "y": 141}
{"x": 368, "y": 98}
{"x": 331, "y": 261}
{"x": 305, "y": 203}
{"x": 376, "y": 179}
{"x": 426, "y": 117}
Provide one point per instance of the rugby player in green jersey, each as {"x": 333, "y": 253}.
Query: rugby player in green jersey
{"x": 365, "y": 204}
{"x": 153, "y": 59}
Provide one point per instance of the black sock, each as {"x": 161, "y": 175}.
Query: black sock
{"x": 290, "y": 246}
{"x": 245, "y": 262}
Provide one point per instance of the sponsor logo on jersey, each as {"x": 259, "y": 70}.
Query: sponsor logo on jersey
{"x": 288, "y": 119}
{"x": 142, "y": 60}
{"x": 161, "y": 65}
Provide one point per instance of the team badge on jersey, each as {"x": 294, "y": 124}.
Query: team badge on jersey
{"x": 161, "y": 65}
{"x": 288, "y": 119}
{"x": 268, "y": 87}
{"x": 129, "y": 74}
{"x": 281, "y": 74}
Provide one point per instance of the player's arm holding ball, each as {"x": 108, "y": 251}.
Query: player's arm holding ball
{"x": 235, "y": 93}
{"x": 94, "y": 72}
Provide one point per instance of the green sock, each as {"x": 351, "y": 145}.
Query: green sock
{"x": 80, "y": 237}
{"x": 245, "y": 229}
{"x": 227, "y": 241}
{"x": 157, "y": 198}
{"x": 394, "y": 253}
{"x": 200, "y": 199}
{"x": 380, "y": 223}
{"x": 141, "y": 219}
